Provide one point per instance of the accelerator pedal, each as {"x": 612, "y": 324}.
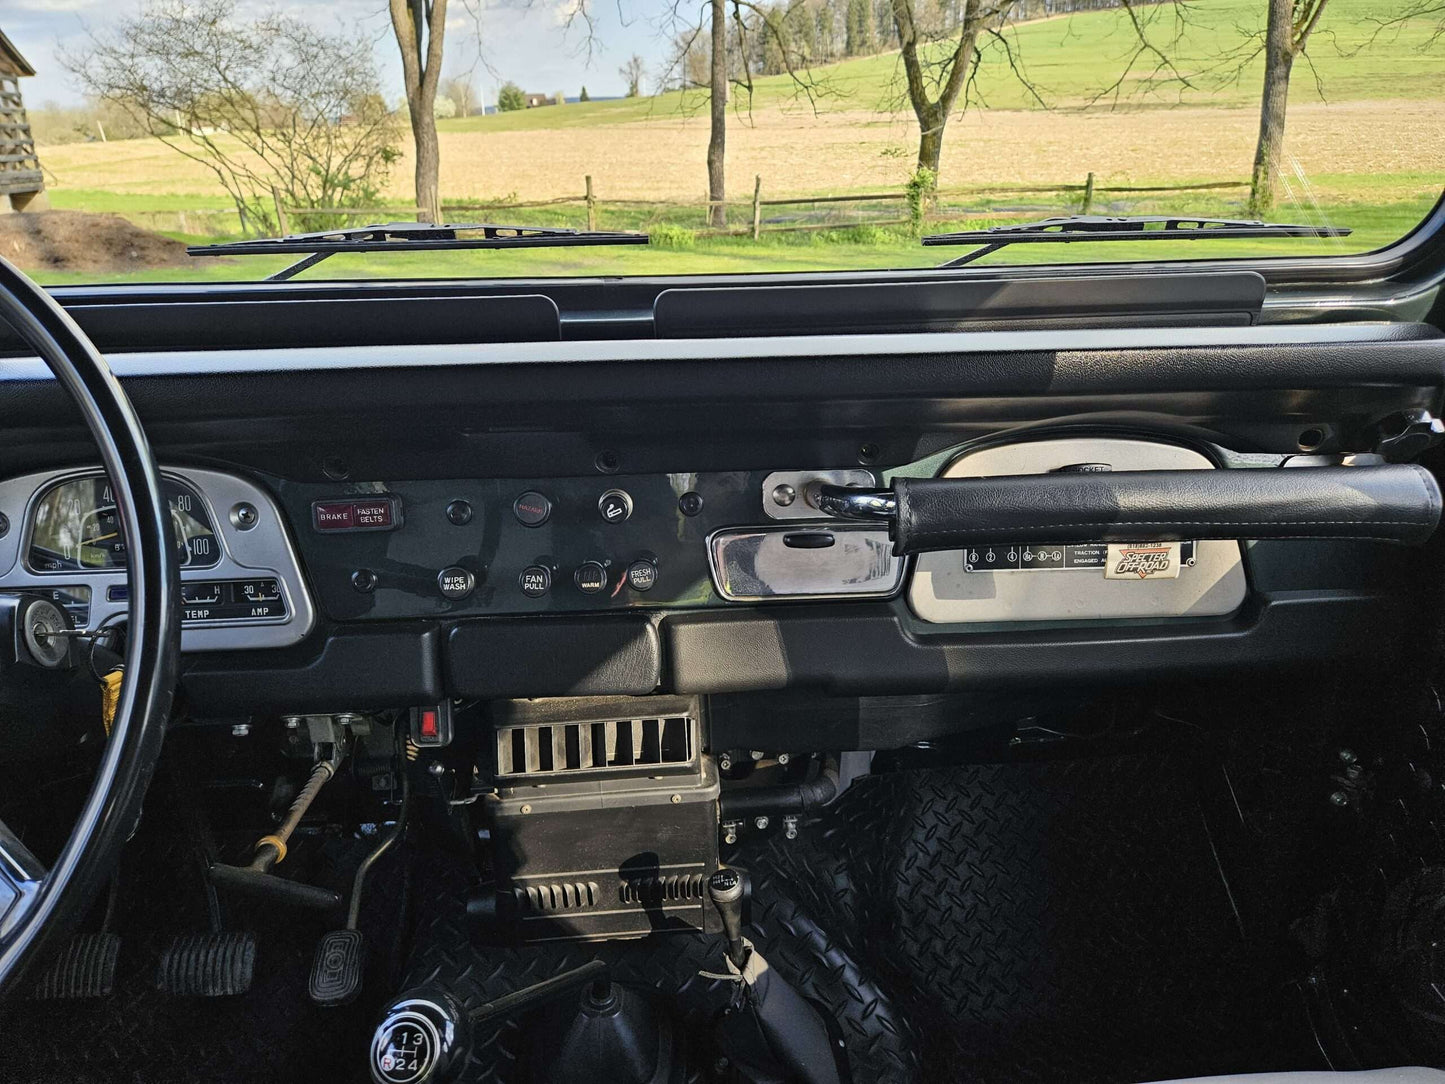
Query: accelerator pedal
{"x": 84, "y": 968}
{"x": 336, "y": 968}
{"x": 208, "y": 965}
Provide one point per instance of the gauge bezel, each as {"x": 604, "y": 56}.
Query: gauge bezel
{"x": 27, "y": 538}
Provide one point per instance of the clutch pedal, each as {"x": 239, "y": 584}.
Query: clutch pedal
{"x": 208, "y": 965}
{"x": 85, "y": 968}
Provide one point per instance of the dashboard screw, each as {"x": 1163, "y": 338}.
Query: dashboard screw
{"x": 867, "y": 453}
{"x": 4, "y": 524}
{"x": 790, "y": 827}
{"x": 526, "y": 808}
{"x": 784, "y": 495}
{"x": 1339, "y": 798}
{"x": 436, "y": 768}
{"x": 725, "y": 762}
{"x": 730, "y": 832}
{"x": 335, "y": 468}
{"x": 244, "y": 516}
{"x": 676, "y": 799}
{"x": 783, "y": 758}
{"x": 607, "y": 462}
{"x": 1347, "y": 756}
{"x": 241, "y": 730}
{"x": 760, "y": 823}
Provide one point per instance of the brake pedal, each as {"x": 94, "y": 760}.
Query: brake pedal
{"x": 85, "y": 968}
{"x": 337, "y": 967}
{"x": 208, "y": 965}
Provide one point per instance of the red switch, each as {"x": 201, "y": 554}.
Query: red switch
{"x": 427, "y": 724}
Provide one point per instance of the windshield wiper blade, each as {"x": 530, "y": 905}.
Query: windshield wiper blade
{"x": 1071, "y": 228}
{"x": 411, "y": 236}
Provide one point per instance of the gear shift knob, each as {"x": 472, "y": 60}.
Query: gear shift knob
{"x": 424, "y": 1036}
{"x": 725, "y": 889}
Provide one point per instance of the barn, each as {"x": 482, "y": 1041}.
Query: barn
{"x": 22, "y": 185}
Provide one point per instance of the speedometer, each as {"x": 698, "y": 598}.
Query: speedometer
{"x": 76, "y": 527}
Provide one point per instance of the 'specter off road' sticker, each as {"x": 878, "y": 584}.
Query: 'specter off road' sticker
{"x": 1143, "y": 561}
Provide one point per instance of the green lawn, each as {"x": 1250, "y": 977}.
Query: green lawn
{"x": 1375, "y": 225}
{"x": 1072, "y": 59}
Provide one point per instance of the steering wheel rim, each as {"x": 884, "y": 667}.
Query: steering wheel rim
{"x": 35, "y": 904}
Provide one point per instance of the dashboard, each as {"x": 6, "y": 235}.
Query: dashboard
{"x": 372, "y": 526}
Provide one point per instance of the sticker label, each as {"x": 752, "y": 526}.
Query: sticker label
{"x": 1143, "y": 561}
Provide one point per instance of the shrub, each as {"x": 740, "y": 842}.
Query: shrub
{"x": 669, "y": 236}
{"x": 510, "y": 98}
{"x": 920, "y": 192}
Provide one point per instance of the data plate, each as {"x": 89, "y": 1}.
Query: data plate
{"x": 1134, "y": 560}
{"x": 969, "y": 587}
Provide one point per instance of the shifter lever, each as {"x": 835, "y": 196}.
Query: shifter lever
{"x": 725, "y": 889}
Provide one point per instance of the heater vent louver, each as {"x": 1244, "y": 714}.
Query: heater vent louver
{"x": 555, "y": 896}
{"x": 656, "y": 891}
{"x": 615, "y": 746}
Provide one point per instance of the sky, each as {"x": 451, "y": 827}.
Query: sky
{"x": 522, "y": 41}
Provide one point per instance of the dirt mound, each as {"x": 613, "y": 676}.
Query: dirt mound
{"x": 76, "y": 241}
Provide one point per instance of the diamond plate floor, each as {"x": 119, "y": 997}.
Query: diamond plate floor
{"x": 1060, "y": 921}
{"x": 1046, "y": 921}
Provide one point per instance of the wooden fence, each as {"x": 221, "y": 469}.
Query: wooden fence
{"x": 1080, "y": 196}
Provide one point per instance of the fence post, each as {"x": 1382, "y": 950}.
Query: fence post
{"x": 1088, "y": 194}
{"x": 591, "y": 205}
{"x": 757, "y": 206}
{"x": 281, "y": 226}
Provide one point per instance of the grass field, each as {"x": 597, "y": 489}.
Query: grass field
{"x": 1370, "y": 154}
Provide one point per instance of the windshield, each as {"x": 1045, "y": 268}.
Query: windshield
{"x": 740, "y": 135}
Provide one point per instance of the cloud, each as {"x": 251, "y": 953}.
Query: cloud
{"x": 55, "y": 7}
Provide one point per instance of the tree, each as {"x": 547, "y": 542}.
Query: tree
{"x": 463, "y": 94}
{"x": 443, "y": 107}
{"x": 267, "y": 105}
{"x": 510, "y": 98}
{"x": 584, "y": 96}
{"x": 717, "y": 212}
{"x": 631, "y": 73}
{"x": 859, "y": 28}
{"x": 559, "y": 98}
{"x": 942, "y": 45}
{"x": 420, "y": 29}
{"x": 936, "y": 61}
{"x": 1286, "y": 36}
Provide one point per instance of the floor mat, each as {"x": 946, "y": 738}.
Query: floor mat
{"x": 139, "y": 1035}
{"x": 1050, "y": 921}
{"x": 880, "y": 1047}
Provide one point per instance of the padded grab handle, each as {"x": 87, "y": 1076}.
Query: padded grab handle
{"x": 1394, "y": 503}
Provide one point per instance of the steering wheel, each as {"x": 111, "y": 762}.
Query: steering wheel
{"x": 36, "y": 903}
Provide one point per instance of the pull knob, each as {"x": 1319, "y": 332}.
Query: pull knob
{"x": 1405, "y": 434}
{"x": 845, "y": 502}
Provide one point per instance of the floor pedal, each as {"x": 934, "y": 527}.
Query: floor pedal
{"x": 336, "y": 968}
{"x": 208, "y": 965}
{"x": 84, "y": 968}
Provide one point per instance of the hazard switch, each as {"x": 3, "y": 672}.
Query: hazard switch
{"x": 431, "y": 725}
